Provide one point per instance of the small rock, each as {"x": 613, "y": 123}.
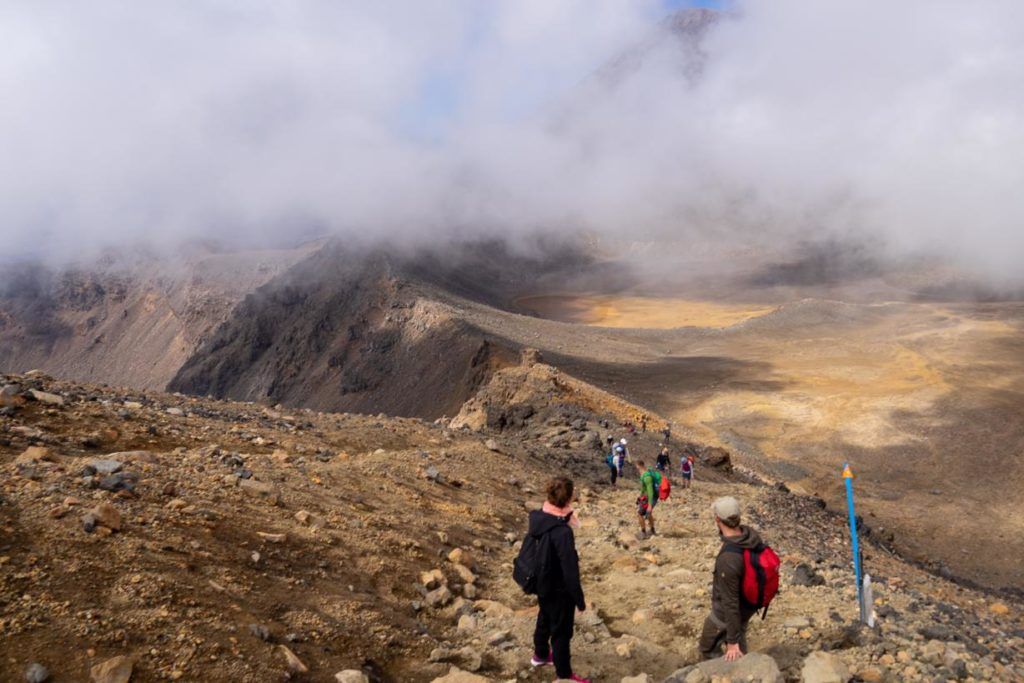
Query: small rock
{"x": 105, "y": 515}
{"x": 796, "y": 622}
{"x": 176, "y": 412}
{"x": 293, "y": 663}
{"x": 824, "y": 667}
{"x": 457, "y": 675}
{"x": 351, "y": 676}
{"x": 462, "y": 557}
{"x": 105, "y": 466}
{"x": 465, "y": 574}
{"x": 999, "y": 609}
{"x": 260, "y": 631}
{"x": 432, "y": 579}
{"x": 306, "y": 518}
{"x": 492, "y": 445}
{"x": 871, "y": 674}
{"x": 467, "y": 623}
{"x": 47, "y": 398}
{"x": 804, "y": 575}
{"x": 642, "y": 678}
{"x": 115, "y": 670}
{"x": 497, "y": 638}
{"x": 121, "y": 481}
{"x": 439, "y": 597}
{"x": 35, "y": 454}
{"x": 36, "y": 673}
{"x": 258, "y": 489}
{"x": 272, "y": 538}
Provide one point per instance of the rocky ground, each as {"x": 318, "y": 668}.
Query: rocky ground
{"x": 150, "y": 536}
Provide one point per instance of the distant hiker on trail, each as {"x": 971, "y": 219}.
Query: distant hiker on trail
{"x": 622, "y": 454}
{"x": 664, "y": 461}
{"x": 667, "y": 432}
{"x": 557, "y": 572}
{"x": 650, "y": 485}
{"x": 612, "y": 460}
{"x": 686, "y": 469}
{"x": 746, "y": 579}
{"x": 643, "y": 423}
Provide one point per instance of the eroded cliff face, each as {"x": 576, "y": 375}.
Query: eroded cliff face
{"x": 123, "y": 321}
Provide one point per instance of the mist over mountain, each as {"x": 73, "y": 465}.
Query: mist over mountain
{"x": 764, "y": 123}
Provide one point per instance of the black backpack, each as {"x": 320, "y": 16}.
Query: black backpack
{"x": 532, "y": 560}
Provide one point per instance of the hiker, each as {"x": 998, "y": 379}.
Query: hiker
{"x": 622, "y": 453}
{"x": 730, "y": 610}
{"x": 667, "y": 432}
{"x": 650, "y": 484}
{"x": 612, "y": 460}
{"x": 559, "y": 592}
{"x": 686, "y": 469}
{"x": 643, "y": 423}
{"x": 663, "y": 460}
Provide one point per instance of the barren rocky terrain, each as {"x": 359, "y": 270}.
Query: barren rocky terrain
{"x": 909, "y": 372}
{"x": 180, "y": 538}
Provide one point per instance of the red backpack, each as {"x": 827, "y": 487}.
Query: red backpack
{"x": 665, "y": 490}
{"x": 760, "y": 575}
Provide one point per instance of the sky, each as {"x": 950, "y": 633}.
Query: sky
{"x": 152, "y": 123}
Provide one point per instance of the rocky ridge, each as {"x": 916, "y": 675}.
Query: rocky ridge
{"x": 148, "y": 536}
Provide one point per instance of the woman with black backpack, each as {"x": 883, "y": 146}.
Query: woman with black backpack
{"x": 557, "y": 578}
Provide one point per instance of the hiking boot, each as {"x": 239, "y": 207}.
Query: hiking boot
{"x": 537, "y": 661}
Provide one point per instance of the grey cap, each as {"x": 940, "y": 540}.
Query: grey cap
{"x": 726, "y": 508}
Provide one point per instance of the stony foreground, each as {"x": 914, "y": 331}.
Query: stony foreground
{"x": 151, "y": 537}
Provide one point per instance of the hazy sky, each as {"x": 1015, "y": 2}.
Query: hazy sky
{"x": 127, "y": 121}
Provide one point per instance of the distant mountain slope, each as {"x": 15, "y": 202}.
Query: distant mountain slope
{"x": 130, "y": 321}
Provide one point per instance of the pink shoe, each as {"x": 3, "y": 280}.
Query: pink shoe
{"x": 537, "y": 661}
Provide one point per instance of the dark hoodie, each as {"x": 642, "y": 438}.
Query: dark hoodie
{"x": 726, "y": 603}
{"x": 560, "y": 574}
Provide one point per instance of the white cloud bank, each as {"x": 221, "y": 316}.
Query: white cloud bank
{"x": 159, "y": 121}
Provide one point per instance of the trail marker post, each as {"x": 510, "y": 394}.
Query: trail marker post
{"x": 848, "y": 478}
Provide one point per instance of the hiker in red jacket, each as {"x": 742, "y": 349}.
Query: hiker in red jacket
{"x": 730, "y": 613}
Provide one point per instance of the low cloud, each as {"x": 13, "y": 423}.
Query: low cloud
{"x": 127, "y": 123}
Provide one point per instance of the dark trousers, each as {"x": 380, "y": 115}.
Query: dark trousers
{"x": 712, "y": 637}
{"x": 555, "y": 622}
{"x": 614, "y": 474}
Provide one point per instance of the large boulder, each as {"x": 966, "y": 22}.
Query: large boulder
{"x": 824, "y": 667}
{"x": 754, "y": 667}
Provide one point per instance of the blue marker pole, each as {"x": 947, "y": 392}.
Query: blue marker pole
{"x": 848, "y": 478}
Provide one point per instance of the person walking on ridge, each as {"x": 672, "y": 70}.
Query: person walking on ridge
{"x": 650, "y": 483}
{"x": 730, "y": 612}
{"x": 559, "y": 592}
{"x": 686, "y": 470}
{"x": 664, "y": 461}
{"x": 622, "y": 453}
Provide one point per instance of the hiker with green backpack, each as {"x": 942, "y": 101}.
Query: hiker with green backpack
{"x": 650, "y": 492}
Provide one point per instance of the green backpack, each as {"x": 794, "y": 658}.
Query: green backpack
{"x": 656, "y": 476}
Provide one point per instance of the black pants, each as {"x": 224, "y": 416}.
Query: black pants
{"x": 555, "y": 622}
{"x": 614, "y": 475}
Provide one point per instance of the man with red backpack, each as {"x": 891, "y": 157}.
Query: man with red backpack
{"x": 745, "y": 581}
